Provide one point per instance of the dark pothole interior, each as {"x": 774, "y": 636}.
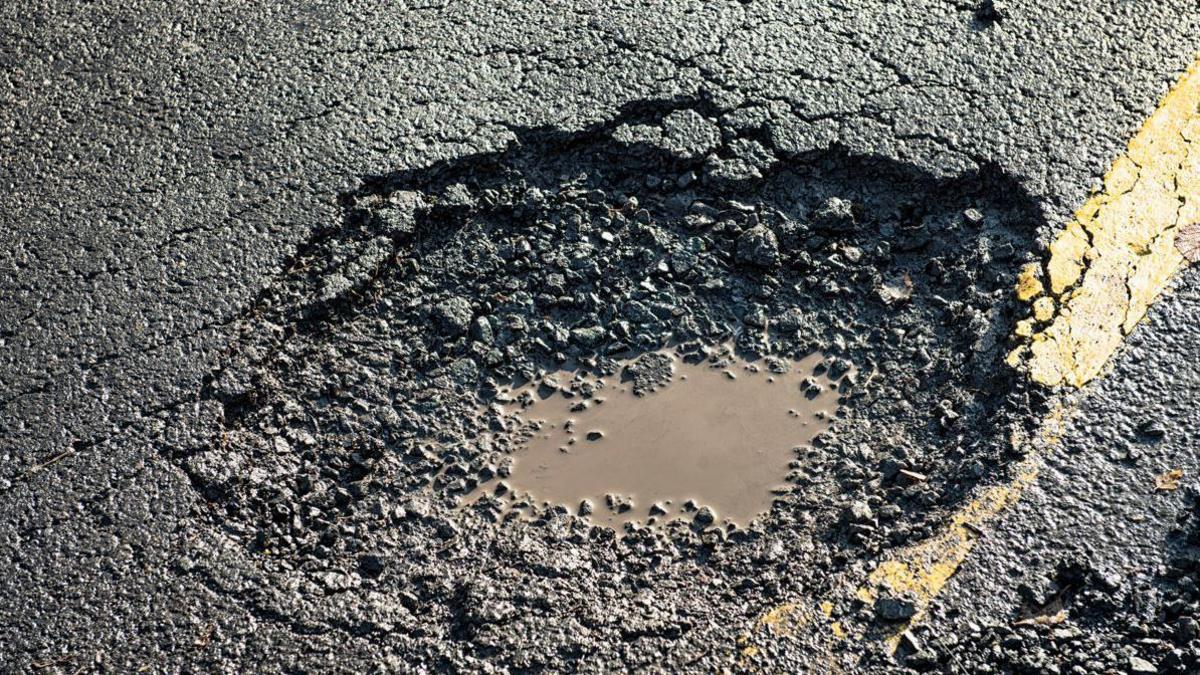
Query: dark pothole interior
{"x": 349, "y": 404}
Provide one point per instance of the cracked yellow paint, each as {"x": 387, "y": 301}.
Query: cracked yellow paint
{"x": 1118, "y": 254}
{"x": 1043, "y": 309}
{"x": 920, "y": 571}
{"x": 1105, "y": 269}
{"x": 782, "y": 621}
{"x": 784, "y": 618}
{"x": 1029, "y": 282}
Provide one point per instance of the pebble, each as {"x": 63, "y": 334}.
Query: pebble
{"x": 1152, "y": 429}
{"x": 1140, "y": 666}
{"x": 857, "y": 512}
{"x": 758, "y": 247}
{"x": 453, "y": 315}
{"x": 895, "y": 609}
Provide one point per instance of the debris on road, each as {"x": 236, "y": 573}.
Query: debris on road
{"x": 1169, "y": 481}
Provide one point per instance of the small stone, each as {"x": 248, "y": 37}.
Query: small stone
{"x": 1152, "y": 429}
{"x": 618, "y": 503}
{"x": 857, "y": 512}
{"x": 464, "y": 370}
{"x": 1187, "y": 629}
{"x": 1043, "y": 308}
{"x": 973, "y": 217}
{"x": 586, "y": 508}
{"x": 895, "y": 609}
{"x": 1140, "y": 666}
{"x": 1111, "y": 581}
{"x": 453, "y": 316}
{"x": 595, "y": 435}
{"x": 992, "y": 11}
{"x": 589, "y": 336}
{"x": 649, "y": 372}
{"x": 656, "y": 509}
{"x": 895, "y": 290}
{"x": 911, "y": 641}
{"x": 481, "y": 331}
{"x": 923, "y": 660}
{"x": 371, "y": 564}
{"x": 755, "y": 316}
{"x": 835, "y": 213}
{"x": 705, "y": 516}
{"x": 457, "y": 195}
{"x": 791, "y": 319}
{"x": 758, "y": 247}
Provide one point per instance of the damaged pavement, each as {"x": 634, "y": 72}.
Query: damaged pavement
{"x": 268, "y": 270}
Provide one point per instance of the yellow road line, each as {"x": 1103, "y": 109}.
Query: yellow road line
{"x": 1119, "y": 253}
{"x": 919, "y": 572}
{"x": 1105, "y": 269}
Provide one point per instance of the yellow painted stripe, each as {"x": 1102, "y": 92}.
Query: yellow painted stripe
{"x": 1104, "y": 271}
{"x": 919, "y": 572}
{"x": 1118, "y": 254}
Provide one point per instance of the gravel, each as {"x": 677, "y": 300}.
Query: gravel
{"x": 503, "y": 257}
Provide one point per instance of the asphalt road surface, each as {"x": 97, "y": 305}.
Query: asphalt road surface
{"x": 191, "y": 199}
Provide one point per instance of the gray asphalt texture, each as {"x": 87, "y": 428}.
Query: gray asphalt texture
{"x": 162, "y": 166}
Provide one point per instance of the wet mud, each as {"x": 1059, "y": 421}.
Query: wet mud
{"x": 710, "y": 440}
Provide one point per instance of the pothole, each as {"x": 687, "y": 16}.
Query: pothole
{"x": 346, "y": 423}
{"x": 707, "y": 438}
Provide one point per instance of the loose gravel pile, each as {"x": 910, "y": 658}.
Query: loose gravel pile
{"x": 356, "y": 408}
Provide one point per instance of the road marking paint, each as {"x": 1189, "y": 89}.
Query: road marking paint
{"x": 1118, "y": 254}
{"x": 1104, "y": 271}
{"x": 919, "y": 572}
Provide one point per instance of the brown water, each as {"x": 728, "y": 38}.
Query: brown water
{"x": 716, "y": 435}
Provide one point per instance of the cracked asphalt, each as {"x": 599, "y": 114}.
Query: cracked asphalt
{"x": 164, "y": 165}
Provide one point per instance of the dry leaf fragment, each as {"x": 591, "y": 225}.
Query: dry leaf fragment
{"x": 1187, "y": 240}
{"x": 1169, "y": 481}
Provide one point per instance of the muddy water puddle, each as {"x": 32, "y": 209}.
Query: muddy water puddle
{"x": 668, "y": 439}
